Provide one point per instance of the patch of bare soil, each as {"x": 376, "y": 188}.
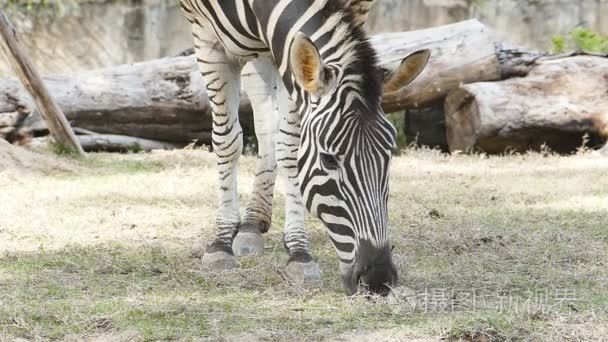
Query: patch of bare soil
{"x": 392, "y": 335}
{"x": 18, "y": 159}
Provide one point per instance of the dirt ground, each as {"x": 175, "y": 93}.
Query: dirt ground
{"x": 15, "y": 159}
{"x": 488, "y": 248}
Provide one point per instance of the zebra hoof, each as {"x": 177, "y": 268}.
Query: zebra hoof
{"x": 248, "y": 242}
{"x": 219, "y": 261}
{"x": 303, "y": 272}
{"x": 219, "y": 257}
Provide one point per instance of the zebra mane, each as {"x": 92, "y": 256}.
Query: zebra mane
{"x": 362, "y": 59}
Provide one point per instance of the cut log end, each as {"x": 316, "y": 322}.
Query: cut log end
{"x": 560, "y": 105}
{"x": 463, "y": 122}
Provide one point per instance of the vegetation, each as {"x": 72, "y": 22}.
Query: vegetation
{"x": 487, "y": 251}
{"x": 63, "y": 150}
{"x": 31, "y": 6}
{"x": 398, "y": 120}
{"x": 581, "y": 39}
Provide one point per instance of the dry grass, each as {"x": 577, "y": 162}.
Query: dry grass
{"x": 490, "y": 249}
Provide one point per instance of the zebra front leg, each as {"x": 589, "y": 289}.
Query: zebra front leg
{"x": 222, "y": 79}
{"x": 301, "y": 268}
{"x": 260, "y": 82}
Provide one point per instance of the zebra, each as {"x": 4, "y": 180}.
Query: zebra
{"x": 313, "y": 82}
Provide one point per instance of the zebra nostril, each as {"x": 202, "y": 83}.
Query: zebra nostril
{"x": 358, "y": 279}
{"x": 378, "y": 279}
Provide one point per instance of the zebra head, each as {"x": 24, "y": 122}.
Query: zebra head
{"x": 345, "y": 150}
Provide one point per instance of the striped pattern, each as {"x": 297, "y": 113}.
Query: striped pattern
{"x": 334, "y": 148}
{"x": 360, "y": 10}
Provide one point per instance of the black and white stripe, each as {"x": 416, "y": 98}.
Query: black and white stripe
{"x": 335, "y": 148}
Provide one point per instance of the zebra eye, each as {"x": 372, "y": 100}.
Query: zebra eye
{"x": 329, "y": 162}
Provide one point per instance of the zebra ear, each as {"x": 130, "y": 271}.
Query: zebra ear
{"x": 410, "y": 68}
{"x": 307, "y": 66}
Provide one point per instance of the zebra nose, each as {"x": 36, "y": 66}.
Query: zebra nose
{"x": 375, "y": 271}
{"x": 375, "y": 278}
{"x": 378, "y": 279}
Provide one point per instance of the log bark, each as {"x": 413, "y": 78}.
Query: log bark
{"x": 121, "y": 143}
{"x": 165, "y": 99}
{"x": 53, "y": 116}
{"x": 557, "y": 104}
{"x": 160, "y": 100}
{"x": 461, "y": 53}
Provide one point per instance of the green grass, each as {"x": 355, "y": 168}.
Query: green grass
{"x": 582, "y": 39}
{"x": 489, "y": 249}
{"x": 35, "y": 6}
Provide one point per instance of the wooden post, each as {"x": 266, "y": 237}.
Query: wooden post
{"x": 53, "y": 116}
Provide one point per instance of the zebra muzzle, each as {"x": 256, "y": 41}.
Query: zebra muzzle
{"x": 372, "y": 272}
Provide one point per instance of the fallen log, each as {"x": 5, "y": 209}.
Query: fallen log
{"x": 159, "y": 100}
{"x": 121, "y": 143}
{"x": 461, "y": 53}
{"x": 559, "y": 104}
{"x": 93, "y": 142}
{"x": 165, "y": 99}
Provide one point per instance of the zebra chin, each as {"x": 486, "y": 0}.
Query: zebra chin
{"x": 373, "y": 270}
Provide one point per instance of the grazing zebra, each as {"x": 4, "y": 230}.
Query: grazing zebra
{"x": 315, "y": 89}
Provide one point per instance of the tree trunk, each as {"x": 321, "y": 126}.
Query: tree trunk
{"x": 557, "y": 104}
{"x": 55, "y": 120}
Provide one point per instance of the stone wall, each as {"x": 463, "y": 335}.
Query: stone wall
{"x": 98, "y": 34}
{"x": 525, "y": 22}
